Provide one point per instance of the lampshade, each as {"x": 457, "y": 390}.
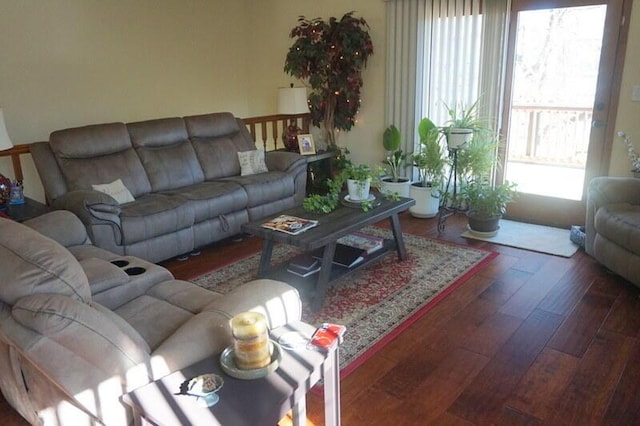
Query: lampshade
{"x": 292, "y": 100}
{"x": 5, "y": 142}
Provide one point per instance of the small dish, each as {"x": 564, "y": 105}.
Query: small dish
{"x": 204, "y": 388}
{"x": 348, "y": 199}
{"x": 480, "y": 234}
{"x": 228, "y": 363}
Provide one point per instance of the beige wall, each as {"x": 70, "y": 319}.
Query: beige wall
{"x": 74, "y": 62}
{"x": 628, "y": 118}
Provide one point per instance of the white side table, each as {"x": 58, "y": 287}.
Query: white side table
{"x": 245, "y": 402}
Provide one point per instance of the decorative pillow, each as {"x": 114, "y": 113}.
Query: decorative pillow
{"x": 117, "y": 190}
{"x": 252, "y": 162}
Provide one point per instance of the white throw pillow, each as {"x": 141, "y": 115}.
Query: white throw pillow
{"x": 117, "y": 190}
{"x": 252, "y": 162}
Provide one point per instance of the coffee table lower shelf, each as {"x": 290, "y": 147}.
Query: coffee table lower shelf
{"x": 307, "y": 285}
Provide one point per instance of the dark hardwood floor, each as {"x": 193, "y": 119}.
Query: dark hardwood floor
{"x": 530, "y": 339}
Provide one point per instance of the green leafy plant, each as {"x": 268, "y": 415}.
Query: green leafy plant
{"x": 396, "y": 158}
{"x": 430, "y": 160}
{"x": 331, "y": 56}
{"x": 462, "y": 117}
{"x": 487, "y": 200}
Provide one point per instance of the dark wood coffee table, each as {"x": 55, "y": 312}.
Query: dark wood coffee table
{"x": 342, "y": 221}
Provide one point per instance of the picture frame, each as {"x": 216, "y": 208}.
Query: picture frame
{"x": 306, "y": 144}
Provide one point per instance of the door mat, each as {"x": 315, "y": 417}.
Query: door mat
{"x": 543, "y": 239}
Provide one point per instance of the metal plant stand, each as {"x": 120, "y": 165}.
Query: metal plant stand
{"x": 444, "y": 210}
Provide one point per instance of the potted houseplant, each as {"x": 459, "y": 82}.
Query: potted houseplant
{"x": 395, "y": 161}
{"x": 486, "y": 204}
{"x": 358, "y": 179}
{"x": 463, "y": 123}
{"x": 430, "y": 161}
{"x": 331, "y": 56}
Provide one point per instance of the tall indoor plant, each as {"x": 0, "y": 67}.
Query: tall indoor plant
{"x": 331, "y": 56}
{"x": 430, "y": 161}
{"x": 394, "y": 162}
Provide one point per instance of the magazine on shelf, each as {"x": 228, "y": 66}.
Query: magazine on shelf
{"x": 346, "y": 256}
{"x": 290, "y": 224}
{"x": 366, "y": 242}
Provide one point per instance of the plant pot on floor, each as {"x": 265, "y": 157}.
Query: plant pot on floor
{"x": 427, "y": 201}
{"x": 358, "y": 190}
{"x": 400, "y": 187}
{"x": 483, "y": 226}
{"x": 457, "y": 138}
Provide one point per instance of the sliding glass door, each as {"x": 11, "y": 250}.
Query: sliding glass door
{"x": 558, "y": 99}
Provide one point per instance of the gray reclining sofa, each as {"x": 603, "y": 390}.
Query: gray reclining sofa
{"x": 184, "y": 174}
{"x": 80, "y": 326}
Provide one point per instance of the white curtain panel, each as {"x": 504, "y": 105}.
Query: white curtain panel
{"x": 444, "y": 52}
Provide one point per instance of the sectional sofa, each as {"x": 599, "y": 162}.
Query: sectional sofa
{"x": 183, "y": 177}
{"x": 80, "y": 326}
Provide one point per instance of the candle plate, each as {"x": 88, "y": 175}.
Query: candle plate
{"x": 228, "y": 363}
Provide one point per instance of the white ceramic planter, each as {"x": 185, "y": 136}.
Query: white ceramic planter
{"x": 457, "y": 138}
{"x": 358, "y": 191}
{"x": 400, "y": 188}
{"x": 427, "y": 201}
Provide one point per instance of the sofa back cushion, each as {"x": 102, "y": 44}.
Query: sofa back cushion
{"x": 32, "y": 263}
{"x": 99, "y": 154}
{"x": 166, "y": 153}
{"x": 217, "y": 138}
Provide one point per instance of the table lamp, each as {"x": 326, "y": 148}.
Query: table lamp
{"x": 5, "y": 183}
{"x": 292, "y": 100}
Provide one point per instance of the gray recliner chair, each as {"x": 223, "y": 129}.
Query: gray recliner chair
{"x": 613, "y": 225}
{"x": 80, "y": 326}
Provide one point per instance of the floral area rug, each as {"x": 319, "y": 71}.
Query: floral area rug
{"x": 378, "y": 301}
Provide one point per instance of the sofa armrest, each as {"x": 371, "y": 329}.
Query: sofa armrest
{"x": 61, "y": 226}
{"x": 284, "y": 161}
{"x": 606, "y": 190}
{"x": 95, "y": 209}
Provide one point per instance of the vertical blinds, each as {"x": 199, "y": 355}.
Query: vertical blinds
{"x": 453, "y": 47}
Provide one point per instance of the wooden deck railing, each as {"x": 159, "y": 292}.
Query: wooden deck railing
{"x": 557, "y": 135}
{"x": 266, "y": 131}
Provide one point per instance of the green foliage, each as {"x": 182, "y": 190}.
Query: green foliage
{"x": 331, "y": 57}
{"x": 430, "y": 160}
{"x": 487, "y": 200}
{"x": 396, "y": 160}
{"x": 465, "y": 118}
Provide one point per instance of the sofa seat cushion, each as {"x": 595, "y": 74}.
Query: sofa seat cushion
{"x": 153, "y": 215}
{"x": 620, "y": 223}
{"x": 263, "y": 188}
{"x": 213, "y": 199}
{"x": 155, "y": 319}
{"x": 184, "y": 294}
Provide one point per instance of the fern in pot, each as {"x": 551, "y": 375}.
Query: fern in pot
{"x": 430, "y": 161}
{"x": 394, "y": 162}
{"x": 486, "y": 204}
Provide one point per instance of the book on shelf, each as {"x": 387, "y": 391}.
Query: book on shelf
{"x": 290, "y": 224}
{"x": 344, "y": 255}
{"x": 368, "y": 243}
{"x": 303, "y": 272}
{"x": 304, "y": 262}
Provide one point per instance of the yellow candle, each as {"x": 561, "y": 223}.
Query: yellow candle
{"x": 248, "y": 325}
{"x": 250, "y": 340}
